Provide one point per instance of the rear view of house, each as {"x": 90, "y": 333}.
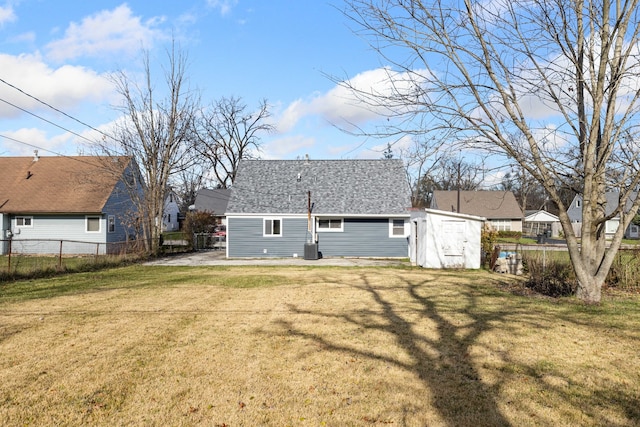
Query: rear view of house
{"x": 83, "y": 201}
{"x": 350, "y": 208}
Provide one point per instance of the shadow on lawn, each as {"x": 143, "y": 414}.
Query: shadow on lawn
{"x": 442, "y": 364}
{"x": 459, "y": 315}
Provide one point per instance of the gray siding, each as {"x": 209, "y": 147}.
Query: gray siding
{"x": 363, "y": 237}
{"x": 122, "y": 207}
{"x": 5, "y": 225}
{"x": 245, "y": 238}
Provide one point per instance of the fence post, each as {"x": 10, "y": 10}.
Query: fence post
{"x": 9, "y": 265}
{"x": 60, "y": 257}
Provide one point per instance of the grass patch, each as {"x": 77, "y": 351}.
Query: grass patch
{"x": 146, "y": 345}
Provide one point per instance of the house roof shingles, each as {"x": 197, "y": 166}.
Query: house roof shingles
{"x": 213, "y": 200}
{"x": 488, "y": 204}
{"x": 337, "y": 187}
{"x": 69, "y": 184}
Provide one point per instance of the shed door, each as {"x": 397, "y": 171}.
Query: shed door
{"x": 454, "y": 237}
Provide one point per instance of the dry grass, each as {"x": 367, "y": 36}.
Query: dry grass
{"x": 316, "y": 346}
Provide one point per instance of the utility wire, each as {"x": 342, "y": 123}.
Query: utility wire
{"x": 55, "y": 109}
{"x": 46, "y": 120}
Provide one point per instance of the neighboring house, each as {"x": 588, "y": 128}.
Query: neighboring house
{"x": 213, "y": 201}
{"x": 441, "y": 239}
{"x": 541, "y": 222}
{"x": 351, "y": 208}
{"x": 575, "y": 215}
{"x": 500, "y": 208}
{"x": 171, "y": 213}
{"x": 80, "y": 200}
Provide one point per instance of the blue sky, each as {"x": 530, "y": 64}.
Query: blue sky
{"x": 62, "y": 52}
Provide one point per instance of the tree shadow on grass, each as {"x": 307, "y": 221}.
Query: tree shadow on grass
{"x": 443, "y": 363}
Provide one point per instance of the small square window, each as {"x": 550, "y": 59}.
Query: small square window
{"x": 272, "y": 227}
{"x": 93, "y": 224}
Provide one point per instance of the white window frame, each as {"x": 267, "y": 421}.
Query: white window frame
{"x": 392, "y": 227}
{"x": 111, "y": 224}
{"x": 331, "y": 228}
{"x": 501, "y": 224}
{"x": 24, "y": 219}
{"x": 86, "y": 224}
{"x": 271, "y": 221}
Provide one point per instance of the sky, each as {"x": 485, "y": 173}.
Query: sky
{"x": 62, "y": 53}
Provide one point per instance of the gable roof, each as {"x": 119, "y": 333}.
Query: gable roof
{"x": 214, "y": 201}
{"x": 489, "y": 204}
{"x": 60, "y": 184}
{"x": 338, "y": 187}
{"x": 540, "y": 216}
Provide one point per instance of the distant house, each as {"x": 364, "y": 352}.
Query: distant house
{"x": 575, "y": 215}
{"x": 171, "y": 213}
{"x": 500, "y": 208}
{"x": 214, "y": 201}
{"x": 442, "y": 239}
{"x": 541, "y": 222}
{"x": 80, "y": 200}
{"x": 350, "y": 208}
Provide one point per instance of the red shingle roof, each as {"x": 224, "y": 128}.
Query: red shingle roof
{"x": 74, "y": 184}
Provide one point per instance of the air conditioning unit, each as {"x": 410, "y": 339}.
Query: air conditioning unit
{"x": 311, "y": 251}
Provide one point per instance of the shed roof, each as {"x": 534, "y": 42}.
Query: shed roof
{"x": 59, "y": 184}
{"x": 485, "y": 203}
{"x": 213, "y": 200}
{"x": 333, "y": 187}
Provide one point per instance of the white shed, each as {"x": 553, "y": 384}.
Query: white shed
{"x": 442, "y": 239}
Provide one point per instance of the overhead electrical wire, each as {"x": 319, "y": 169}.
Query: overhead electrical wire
{"x": 56, "y": 109}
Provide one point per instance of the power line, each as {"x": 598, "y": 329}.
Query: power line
{"x": 55, "y": 109}
{"x": 46, "y": 120}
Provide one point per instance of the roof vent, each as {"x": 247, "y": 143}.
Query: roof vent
{"x": 299, "y": 177}
{"x": 35, "y": 156}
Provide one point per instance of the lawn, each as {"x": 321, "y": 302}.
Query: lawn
{"x": 245, "y": 346}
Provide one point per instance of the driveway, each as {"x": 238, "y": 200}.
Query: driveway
{"x": 218, "y": 258}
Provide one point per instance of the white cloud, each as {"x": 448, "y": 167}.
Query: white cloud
{"x": 6, "y": 15}
{"x": 34, "y": 138}
{"x": 283, "y": 147}
{"x": 64, "y": 87}
{"x": 224, "y": 6}
{"x": 105, "y": 33}
{"x": 341, "y": 107}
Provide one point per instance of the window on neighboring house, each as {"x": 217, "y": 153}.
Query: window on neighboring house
{"x": 24, "y": 221}
{"x": 272, "y": 227}
{"x": 169, "y": 218}
{"x": 397, "y": 228}
{"x": 111, "y": 224}
{"x": 93, "y": 224}
{"x": 330, "y": 224}
{"x": 501, "y": 224}
{"x": 578, "y": 203}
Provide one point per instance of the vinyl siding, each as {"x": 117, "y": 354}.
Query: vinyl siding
{"x": 245, "y": 238}
{"x": 363, "y": 237}
{"x": 44, "y": 236}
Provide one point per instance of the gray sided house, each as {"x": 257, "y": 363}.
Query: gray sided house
{"x": 349, "y": 208}
{"x": 575, "y": 215}
{"x": 82, "y": 201}
{"x": 214, "y": 201}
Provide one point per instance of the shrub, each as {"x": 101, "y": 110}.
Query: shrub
{"x": 549, "y": 276}
{"x": 198, "y": 222}
{"x": 488, "y": 238}
{"x": 503, "y": 234}
{"x": 625, "y": 270}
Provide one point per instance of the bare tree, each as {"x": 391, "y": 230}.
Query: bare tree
{"x": 228, "y": 133}
{"x": 562, "y": 76}
{"x": 155, "y": 131}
